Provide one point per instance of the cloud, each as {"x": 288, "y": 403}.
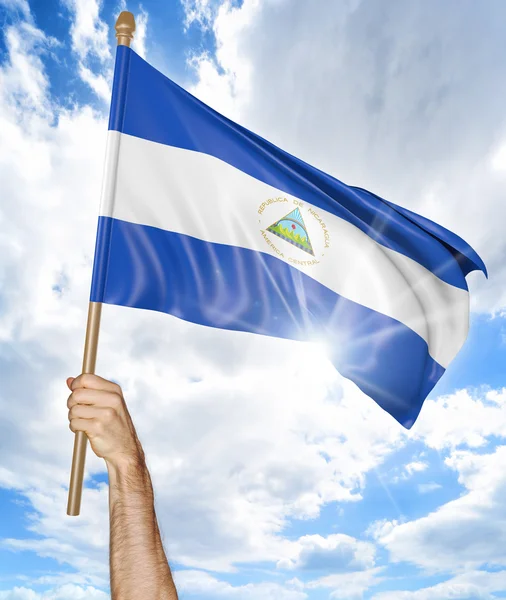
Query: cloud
{"x": 426, "y": 488}
{"x": 475, "y": 585}
{"x": 335, "y": 553}
{"x": 24, "y": 88}
{"x": 463, "y": 418}
{"x": 348, "y": 586}
{"x": 224, "y": 79}
{"x": 470, "y": 531}
{"x": 498, "y": 158}
{"x": 89, "y": 34}
{"x": 197, "y": 582}
{"x": 415, "y": 466}
{"x": 90, "y": 43}
{"x": 21, "y": 5}
{"x": 466, "y": 533}
{"x": 61, "y": 593}
{"x": 345, "y": 586}
{"x": 252, "y": 478}
{"x": 200, "y": 12}
{"x": 141, "y": 25}
{"x": 81, "y": 543}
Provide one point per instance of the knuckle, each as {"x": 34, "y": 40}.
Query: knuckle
{"x": 116, "y": 400}
{"x": 118, "y": 390}
{"x": 78, "y": 394}
{"x": 86, "y": 379}
{"x": 109, "y": 413}
{"x": 74, "y": 411}
{"x": 76, "y": 383}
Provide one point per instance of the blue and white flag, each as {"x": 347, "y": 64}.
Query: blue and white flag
{"x": 202, "y": 219}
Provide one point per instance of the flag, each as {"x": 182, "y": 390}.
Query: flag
{"x": 202, "y": 219}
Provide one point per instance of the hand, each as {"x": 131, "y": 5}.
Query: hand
{"x": 97, "y": 407}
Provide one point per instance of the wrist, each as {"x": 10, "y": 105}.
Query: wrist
{"x": 123, "y": 463}
{"x": 128, "y": 471}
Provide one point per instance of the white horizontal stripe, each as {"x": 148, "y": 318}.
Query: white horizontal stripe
{"x": 198, "y": 195}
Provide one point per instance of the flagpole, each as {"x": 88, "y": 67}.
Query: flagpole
{"x": 125, "y": 27}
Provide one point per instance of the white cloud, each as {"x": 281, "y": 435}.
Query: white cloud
{"x": 61, "y": 593}
{"x": 22, "y": 80}
{"x": 335, "y": 553}
{"x": 224, "y": 80}
{"x": 141, "y": 25}
{"x": 382, "y": 527}
{"x": 88, "y": 32}
{"x": 59, "y": 579}
{"x": 475, "y": 585}
{"x": 198, "y": 582}
{"x": 415, "y": 466}
{"x": 81, "y": 542}
{"x": 21, "y": 5}
{"x": 252, "y": 477}
{"x": 498, "y": 160}
{"x": 97, "y": 82}
{"x": 466, "y": 533}
{"x": 469, "y": 531}
{"x": 90, "y": 42}
{"x": 345, "y": 586}
{"x": 465, "y": 417}
{"x": 348, "y": 586}
{"x": 199, "y": 11}
{"x": 426, "y": 488}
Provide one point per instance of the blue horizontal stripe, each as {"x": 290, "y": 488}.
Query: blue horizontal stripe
{"x": 154, "y": 108}
{"x": 235, "y": 288}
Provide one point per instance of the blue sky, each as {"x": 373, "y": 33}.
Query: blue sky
{"x": 261, "y": 493}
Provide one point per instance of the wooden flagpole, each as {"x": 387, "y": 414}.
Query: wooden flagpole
{"x": 125, "y": 27}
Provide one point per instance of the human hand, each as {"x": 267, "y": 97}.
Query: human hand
{"x": 97, "y": 407}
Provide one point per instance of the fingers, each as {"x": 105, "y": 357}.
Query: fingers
{"x": 93, "y": 382}
{"x": 91, "y": 419}
{"x": 94, "y": 397}
{"x": 86, "y": 411}
{"x": 89, "y": 426}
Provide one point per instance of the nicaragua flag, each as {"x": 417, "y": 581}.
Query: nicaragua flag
{"x": 204, "y": 220}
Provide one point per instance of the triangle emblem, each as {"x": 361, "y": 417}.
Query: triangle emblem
{"x": 292, "y": 229}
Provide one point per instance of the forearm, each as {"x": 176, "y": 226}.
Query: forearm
{"x": 139, "y": 567}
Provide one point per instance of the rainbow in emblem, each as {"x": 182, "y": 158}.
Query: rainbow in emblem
{"x": 292, "y": 229}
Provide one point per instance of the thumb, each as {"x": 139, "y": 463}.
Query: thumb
{"x": 69, "y": 382}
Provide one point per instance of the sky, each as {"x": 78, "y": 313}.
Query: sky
{"x": 275, "y": 478}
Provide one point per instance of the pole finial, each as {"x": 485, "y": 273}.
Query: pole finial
{"x": 125, "y": 27}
